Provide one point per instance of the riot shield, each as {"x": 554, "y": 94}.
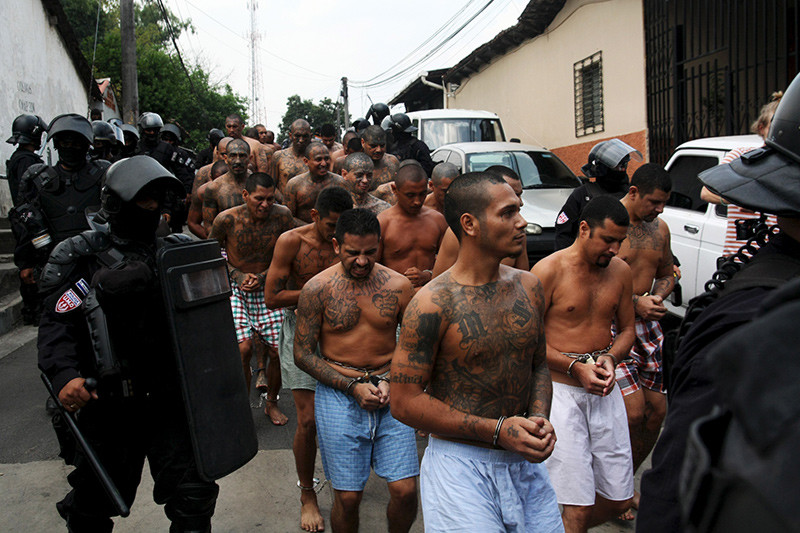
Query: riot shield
{"x": 196, "y": 290}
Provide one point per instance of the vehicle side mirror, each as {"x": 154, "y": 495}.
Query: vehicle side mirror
{"x": 721, "y": 210}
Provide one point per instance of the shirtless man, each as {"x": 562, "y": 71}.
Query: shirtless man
{"x": 470, "y": 369}
{"x": 385, "y": 193}
{"x": 301, "y": 191}
{"x": 337, "y": 157}
{"x": 327, "y": 134}
{"x": 352, "y": 310}
{"x": 226, "y": 191}
{"x": 248, "y": 233}
{"x": 443, "y": 174}
{"x": 411, "y": 232}
{"x": 262, "y": 135}
{"x": 586, "y": 289}
{"x": 448, "y": 250}
{"x": 194, "y": 219}
{"x": 203, "y": 174}
{"x": 301, "y": 254}
{"x": 259, "y": 154}
{"x": 647, "y": 251}
{"x": 357, "y": 174}
{"x": 373, "y": 143}
{"x": 288, "y": 163}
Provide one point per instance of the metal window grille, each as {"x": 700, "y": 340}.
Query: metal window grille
{"x": 588, "y": 75}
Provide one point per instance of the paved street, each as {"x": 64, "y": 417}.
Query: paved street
{"x": 261, "y": 496}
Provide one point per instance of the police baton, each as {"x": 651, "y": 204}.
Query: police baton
{"x": 88, "y": 452}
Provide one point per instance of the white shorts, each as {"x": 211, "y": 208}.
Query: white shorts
{"x": 593, "y": 451}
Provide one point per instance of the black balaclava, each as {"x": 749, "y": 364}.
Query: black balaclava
{"x": 135, "y": 223}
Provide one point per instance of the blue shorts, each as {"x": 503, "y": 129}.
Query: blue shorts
{"x": 468, "y": 488}
{"x": 352, "y": 439}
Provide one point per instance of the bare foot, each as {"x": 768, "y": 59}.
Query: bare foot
{"x": 261, "y": 380}
{"x": 274, "y": 413}
{"x": 310, "y": 517}
{"x": 627, "y": 516}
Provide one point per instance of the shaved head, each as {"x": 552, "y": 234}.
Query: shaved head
{"x": 357, "y": 160}
{"x": 223, "y": 143}
{"x": 374, "y": 135}
{"x": 443, "y": 171}
{"x": 313, "y": 147}
{"x": 300, "y": 124}
{"x": 410, "y": 171}
{"x": 238, "y": 143}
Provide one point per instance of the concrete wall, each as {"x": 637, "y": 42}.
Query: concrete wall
{"x": 38, "y": 75}
{"x": 532, "y": 89}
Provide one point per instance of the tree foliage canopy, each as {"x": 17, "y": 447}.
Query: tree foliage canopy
{"x": 315, "y": 114}
{"x": 164, "y": 88}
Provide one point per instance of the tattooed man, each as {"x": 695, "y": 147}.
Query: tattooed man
{"x": 647, "y": 251}
{"x": 442, "y": 176}
{"x": 194, "y": 220}
{"x": 259, "y": 154}
{"x": 337, "y": 157}
{"x": 299, "y": 255}
{"x": 248, "y": 233}
{"x": 411, "y": 232}
{"x": 352, "y": 310}
{"x": 203, "y": 174}
{"x": 357, "y": 172}
{"x": 586, "y": 288}
{"x": 301, "y": 191}
{"x": 448, "y": 251}
{"x": 288, "y": 163}
{"x": 226, "y": 191}
{"x": 470, "y": 369}
{"x": 373, "y": 143}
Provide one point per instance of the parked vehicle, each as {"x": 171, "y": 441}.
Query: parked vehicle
{"x": 697, "y": 228}
{"x": 437, "y": 127}
{"x": 546, "y": 183}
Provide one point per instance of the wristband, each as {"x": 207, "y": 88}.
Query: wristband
{"x": 497, "y": 430}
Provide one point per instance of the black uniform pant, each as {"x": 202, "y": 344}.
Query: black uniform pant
{"x": 123, "y": 434}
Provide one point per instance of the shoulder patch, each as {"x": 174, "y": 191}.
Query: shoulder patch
{"x": 562, "y": 218}
{"x": 68, "y": 301}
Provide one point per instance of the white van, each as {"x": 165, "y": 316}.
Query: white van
{"x": 697, "y": 228}
{"x": 437, "y": 127}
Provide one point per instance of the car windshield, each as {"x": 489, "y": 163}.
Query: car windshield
{"x": 538, "y": 170}
{"x": 438, "y": 132}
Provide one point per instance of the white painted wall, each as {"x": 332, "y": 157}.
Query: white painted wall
{"x": 532, "y": 87}
{"x": 38, "y": 75}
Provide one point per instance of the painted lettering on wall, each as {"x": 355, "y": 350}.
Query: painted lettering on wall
{"x": 24, "y": 103}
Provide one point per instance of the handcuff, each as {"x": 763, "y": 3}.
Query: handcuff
{"x": 367, "y": 378}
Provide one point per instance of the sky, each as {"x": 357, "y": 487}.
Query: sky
{"x": 306, "y": 46}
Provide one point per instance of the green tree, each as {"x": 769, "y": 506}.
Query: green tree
{"x": 315, "y": 114}
{"x": 164, "y": 88}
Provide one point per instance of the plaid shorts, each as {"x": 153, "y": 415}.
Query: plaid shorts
{"x": 643, "y": 369}
{"x": 251, "y": 316}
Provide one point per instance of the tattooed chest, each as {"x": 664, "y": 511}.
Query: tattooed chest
{"x": 255, "y": 245}
{"x": 311, "y": 262}
{"x": 228, "y": 198}
{"x": 645, "y": 236}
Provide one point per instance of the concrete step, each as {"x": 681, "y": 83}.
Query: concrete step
{"x": 9, "y": 278}
{"x": 10, "y": 312}
{"x": 7, "y": 241}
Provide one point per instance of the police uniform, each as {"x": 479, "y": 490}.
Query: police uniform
{"x": 139, "y": 413}
{"x": 412, "y": 148}
{"x": 16, "y": 167}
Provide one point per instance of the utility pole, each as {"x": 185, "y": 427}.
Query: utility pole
{"x": 345, "y": 103}
{"x": 130, "y": 83}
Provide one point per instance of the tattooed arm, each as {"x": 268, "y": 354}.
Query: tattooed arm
{"x": 309, "y": 324}
{"x": 290, "y": 196}
{"x": 665, "y": 278}
{"x": 276, "y": 293}
{"x": 222, "y": 226}
{"x": 210, "y": 206}
{"x": 263, "y": 158}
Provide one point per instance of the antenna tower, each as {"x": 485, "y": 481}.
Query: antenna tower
{"x": 257, "y": 113}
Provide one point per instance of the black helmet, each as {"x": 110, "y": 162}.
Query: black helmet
{"x": 360, "y": 124}
{"x": 27, "y": 129}
{"x": 71, "y": 122}
{"x": 215, "y": 136}
{"x": 784, "y": 135}
{"x": 127, "y": 128}
{"x": 377, "y": 112}
{"x": 126, "y": 177}
{"x": 607, "y": 155}
{"x": 103, "y": 131}
{"x": 386, "y": 124}
{"x": 150, "y": 121}
{"x": 173, "y": 129}
{"x": 402, "y": 124}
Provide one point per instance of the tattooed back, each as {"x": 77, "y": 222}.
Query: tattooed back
{"x": 485, "y": 342}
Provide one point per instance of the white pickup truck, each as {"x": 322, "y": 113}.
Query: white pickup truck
{"x": 697, "y": 227}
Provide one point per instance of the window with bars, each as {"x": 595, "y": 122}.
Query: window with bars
{"x": 588, "y": 75}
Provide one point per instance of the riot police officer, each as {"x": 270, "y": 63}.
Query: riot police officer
{"x": 150, "y": 125}
{"x": 130, "y": 140}
{"x": 377, "y": 112}
{"x": 171, "y": 134}
{"x": 54, "y": 199}
{"x": 103, "y": 286}
{"x": 104, "y": 141}
{"x": 26, "y": 131}
{"x": 406, "y": 146}
{"x": 206, "y": 155}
